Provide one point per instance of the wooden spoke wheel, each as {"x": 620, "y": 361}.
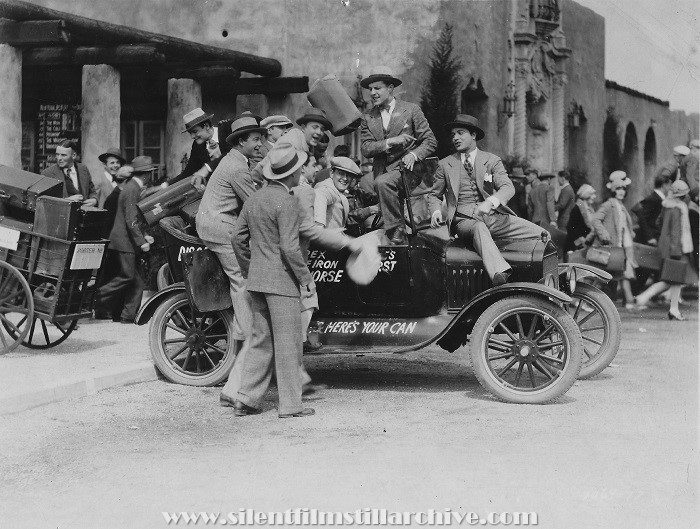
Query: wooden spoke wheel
{"x": 189, "y": 347}
{"x": 526, "y": 350}
{"x": 16, "y": 307}
{"x": 42, "y": 334}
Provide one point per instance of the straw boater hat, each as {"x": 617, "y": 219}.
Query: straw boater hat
{"x": 113, "y": 152}
{"x": 317, "y": 115}
{"x": 284, "y": 160}
{"x": 618, "y": 179}
{"x": 346, "y": 165}
{"x": 695, "y": 144}
{"x": 381, "y": 73}
{"x": 276, "y": 121}
{"x": 679, "y": 189}
{"x": 143, "y": 164}
{"x": 585, "y": 191}
{"x": 469, "y": 123}
{"x": 682, "y": 150}
{"x": 195, "y": 117}
{"x": 243, "y": 125}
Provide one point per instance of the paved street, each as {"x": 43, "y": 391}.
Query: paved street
{"x": 403, "y": 433}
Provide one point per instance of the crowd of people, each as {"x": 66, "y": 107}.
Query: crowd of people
{"x": 270, "y": 189}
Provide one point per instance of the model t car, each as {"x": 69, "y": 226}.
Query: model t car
{"x": 527, "y": 339}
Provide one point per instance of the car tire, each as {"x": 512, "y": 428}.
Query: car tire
{"x": 600, "y": 325}
{"x": 191, "y": 348}
{"x": 526, "y": 350}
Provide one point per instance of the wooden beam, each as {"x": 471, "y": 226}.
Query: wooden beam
{"x": 33, "y": 32}
{"x": 115, "y": 55}
{"x": 208, "y": 71}
{"x": 107, "y": 33}
{"x": 271, "y": 86}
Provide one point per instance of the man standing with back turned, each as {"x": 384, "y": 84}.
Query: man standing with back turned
{"x": 266, "y": 242}
{"x": 393, "y": 132}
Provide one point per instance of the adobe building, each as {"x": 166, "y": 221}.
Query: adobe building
{"x": 533, "y": 72}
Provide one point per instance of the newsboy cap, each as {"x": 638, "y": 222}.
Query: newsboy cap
{"x": 345, "y": 164}
{"x": 276, "y": 121}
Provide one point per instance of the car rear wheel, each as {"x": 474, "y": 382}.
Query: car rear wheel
{"x": 526, "y": 350}
{"x": 600, "y": 326}
{"x": 191, "y": 348}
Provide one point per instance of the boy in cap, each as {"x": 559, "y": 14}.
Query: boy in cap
{"x": 477, "y": 188}
{"x": 393, "y": 132}
{"x": 331, "y": 206}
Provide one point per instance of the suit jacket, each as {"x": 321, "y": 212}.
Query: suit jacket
{"x": 104, "y": 188}
{"x": 540, "y": 204}
{"x": 309, "y": 231}
{"x": 691, "y": 172}
{"x": 447, "y": 182}
{"x": 331, "y": 207}
{"x": 228, "y": 188}
{"x": 85, "y": 185}
{"x": 407, "y": 118}
{"x": 127, "y": 235}
{"x": 576, "y": 229}
{"x": 199, "y": 155}
{"x": 266, "y": 243}
{"x": 565, "y": 203}
{"x": 293, "y": 137}
{"x": 647, "y": 211}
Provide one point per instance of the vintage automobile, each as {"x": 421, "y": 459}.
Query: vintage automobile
{"x": 523, "y": 338}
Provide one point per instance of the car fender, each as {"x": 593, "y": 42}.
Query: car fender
{"x": 455, "y": 334}
{"x": 155, "y": 301}
{"x": 583, "y": 271}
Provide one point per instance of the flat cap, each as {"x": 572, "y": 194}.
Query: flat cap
{"x": 276, "y": 121}
{"x": 345, "y": 164}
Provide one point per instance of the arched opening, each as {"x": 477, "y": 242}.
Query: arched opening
{"x": 612, "y": 161}
{"x": 649, "y": 157}
{"x": 475, "y": 101}
{"x": 630, "y": 162}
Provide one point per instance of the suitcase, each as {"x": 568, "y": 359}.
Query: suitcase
{"x": 20, "y": 189}
{"x": 168, "y": 202}
{"x": 92, "y": 223}
{"x": 678, "y": 271}
{"x": 647, "y": 256}
{"x": 189, "y": 212}
{"x": 56, "y": 217}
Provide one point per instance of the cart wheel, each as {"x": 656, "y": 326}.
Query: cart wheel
{"x": 42, "y": 334}
{"x": 191, "y": 348}
{"x": 164, "y": 278}
{"x": 600, "y": 325}
{"x": 526, "y": 350}
{"x": 16, "y": 307}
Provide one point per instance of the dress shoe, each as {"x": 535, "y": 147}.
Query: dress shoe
{"x": 675, "y": 316}
{"x": 311, "y": 389}
{"x": 398, "y": 237}
{"x": 501, "y": 278}
{"x": 303, "y": 413}
{"x": 241, "y": 410}
{"x": 227, "y": 402}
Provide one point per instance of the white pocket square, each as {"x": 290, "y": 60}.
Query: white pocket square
{"x": 488, "y": 177}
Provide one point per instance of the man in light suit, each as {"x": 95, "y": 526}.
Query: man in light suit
{"x": 393, "y": 132}
{"x": 127, "y": 239}
{"x": 477, "y": 188}
{"x": 227, "y": 190}
{"x": 540, "y": 202}
{"x": 266, "y": 242}
{"x": 77, "y": 182}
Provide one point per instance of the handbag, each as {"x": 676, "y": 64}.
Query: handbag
{"x": 611, "y": 258}
{"x": 206, "y": 283}
{"x": 678, "y": 271}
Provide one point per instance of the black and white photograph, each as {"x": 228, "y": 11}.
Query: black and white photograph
{"x": 348, "y": 263}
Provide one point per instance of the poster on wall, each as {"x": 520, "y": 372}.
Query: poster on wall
{"x": 55, "y": 122}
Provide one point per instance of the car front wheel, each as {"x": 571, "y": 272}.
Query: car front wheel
{"x": 526, "y": 350}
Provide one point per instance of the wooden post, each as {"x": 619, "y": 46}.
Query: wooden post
{"x": 183, "y": 95}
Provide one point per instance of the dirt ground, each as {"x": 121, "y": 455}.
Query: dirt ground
{"x": 412, "y": 432}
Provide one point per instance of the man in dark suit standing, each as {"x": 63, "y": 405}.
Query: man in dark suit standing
{"x": 540, "y": 201}
{"x": 477, "y": 188}
{"x": 566, "y": 200}
{"x": 77, "y": 182}
{"x": 126, "y": 241}
{"x": 266, "y": 242}
{"x": 649, "y": 208}
{"x": 393, "y": 132}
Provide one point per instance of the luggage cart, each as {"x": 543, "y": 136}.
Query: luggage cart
{"x": 46, "y": 285}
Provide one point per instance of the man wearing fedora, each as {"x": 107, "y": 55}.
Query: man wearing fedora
{"x": 227, "y": 190}
{"x": 77, "y": 182}
{"x": 127, "y": 239}
{"x": 540, "y": 201}
{"x": 206, "y": 153}
{"x": 477, "y": 188}
{"x": 266, "y": 242}
{"x": 312, "y": 126}
{"x": 393, "y": 132}
{"x": 112, "y": 160}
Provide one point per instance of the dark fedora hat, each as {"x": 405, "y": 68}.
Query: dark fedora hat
{"x": 195, "y": 117}
{"x": 546, "y": 176}
{"x": 248, "y": 114}
{"x": 317, "y": 115}
{"x": 381, "y": 73}
{"x": 143, "y": 164}
{"x": 244, "y": 125}
{"x": 468, "y": 122}
{"x": 112, "y": 152}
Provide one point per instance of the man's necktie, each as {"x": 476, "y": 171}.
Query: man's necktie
{"x": 468, "y": 167}
{"x": 70, "y": 186}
